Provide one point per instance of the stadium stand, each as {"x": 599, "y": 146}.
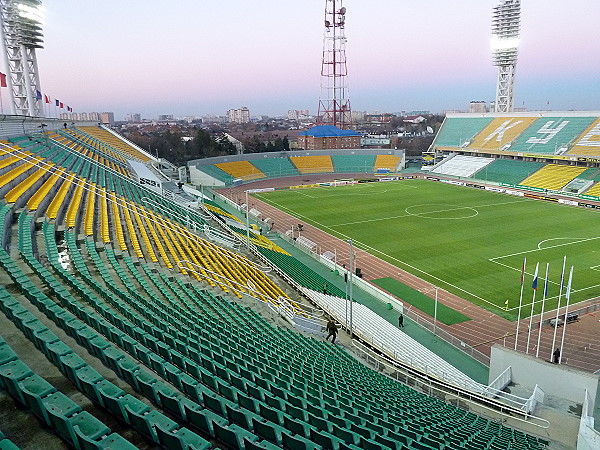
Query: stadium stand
{"x": 462, "y": 166}
{"x": 313, "y": 164}
{"x": 202, "y": 370}
{"x": 217, "y": 173}
{"x": 387, "y": 162}
{"x": 241, "y": 169}
{"x": 276, "y": 167}
{"x": 550, "y": 135}
{"x": 403, "y": 347}
{"x": 588, "y": 144}
{"x": 114, "y": 142}
{"x": 455, "y": 132}
{"x": 500, "y": 132}
{"x": 508, "y": 171}
{"x": 553, "y": 176}
{"x": 353, "y": 163}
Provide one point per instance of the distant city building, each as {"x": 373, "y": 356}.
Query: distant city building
{"x": 241, "y": 115}
{"x": 419, "y": 113}
{"x": 357, "y": 116}
{"x": 479, "y": 107}
{"x": 297, "y": 114}
{"x": 379, "y": 118}
{"x": 375, "y": 142}
{"x": 134, "y": 118}
{"x": 414, "y": 119}
{"x": 83, "y": 116}
{"x": 165, "y": 117}
{"x": 107, "y": 118}
{"x": 328, "y": 137}
{"x": 211, "y": 118}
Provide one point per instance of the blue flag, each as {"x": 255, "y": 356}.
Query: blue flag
{"x": 38, "y": 95}
{"x": 534, "y": 285}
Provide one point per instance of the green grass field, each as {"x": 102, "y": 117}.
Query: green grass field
{"x": 467, "y": 241}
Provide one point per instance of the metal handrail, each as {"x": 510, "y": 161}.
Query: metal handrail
{"x": 464, "y": 394}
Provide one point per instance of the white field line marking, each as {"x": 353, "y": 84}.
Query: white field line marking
{"x": 359, "y": 244}
{"x": 542, "y": 249}
{"x": 430, "y": 212}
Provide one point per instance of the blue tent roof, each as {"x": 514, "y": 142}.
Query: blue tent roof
{"x": 328, "y": 131}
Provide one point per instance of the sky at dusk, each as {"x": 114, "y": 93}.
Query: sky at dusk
{"x": 190, "y": 57}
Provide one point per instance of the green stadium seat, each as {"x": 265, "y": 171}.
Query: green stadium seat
{"x": 251, "y": 445}
{"x": 11, "y": 373}
{"x": 233, "y": 436}
{"x": 119, "y": 405}
{"x": 297, "y": 442}
{"x": 88, "y": 427}
{"x": 181, "y": 439}
{"x": 113, "y": 441}
{"x": 203, "y": 419}
{"x": 146, "y": 423}
{"x": 297, "y": 426}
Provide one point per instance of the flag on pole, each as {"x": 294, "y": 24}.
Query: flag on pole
{"x": 523, "y": 272}
{"x": 3, "y": 82}
{"x": 57, "y": 102}
{"x": 61, "y": 105}
{"x": 568, "y": 293}
{"x": 46, "y": 98}
{"x": 546, "y": 286}
{"x": 534, "y": 285}
{"x": 38, "y": 95}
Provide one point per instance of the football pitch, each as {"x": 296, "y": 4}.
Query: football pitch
{"x": 467, "y": 241}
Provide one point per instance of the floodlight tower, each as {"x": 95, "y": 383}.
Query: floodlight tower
{"x": 21, "y": 33}
{"x": 505, "y": 42}
{"x": 334, "y": 104}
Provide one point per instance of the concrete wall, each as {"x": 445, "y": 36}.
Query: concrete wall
{"x": 557, "y": 380}
{"x": 199, "y": 178}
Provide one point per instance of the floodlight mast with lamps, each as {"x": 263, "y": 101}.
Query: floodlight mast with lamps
{"x": 21, "y": 32}
{"x": 334, "y": 104}
{"x": 506, "y": 23}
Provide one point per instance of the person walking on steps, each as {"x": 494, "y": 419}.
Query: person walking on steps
{"x": 401, "y": 321}
{"x": 332, "y": 329}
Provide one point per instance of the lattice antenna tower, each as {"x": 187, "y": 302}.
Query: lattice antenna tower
{"x": 334, "y": 104}
{"x": 506, "y": 27}
{"x": 21, "y": 32}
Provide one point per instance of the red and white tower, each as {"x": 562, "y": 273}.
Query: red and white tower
{"x": 334, "y": 104}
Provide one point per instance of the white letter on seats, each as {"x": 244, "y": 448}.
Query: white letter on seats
{"x": 592, "y": 139}
{"x": 548, "y": 131}
{"x": 499, "y": 133}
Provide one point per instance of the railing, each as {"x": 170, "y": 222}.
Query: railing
{"x": 589, "y": 437}
{"x": 440, "y": 389}
{"x": 502, "y": 380}
{"x": 536, "y": 398}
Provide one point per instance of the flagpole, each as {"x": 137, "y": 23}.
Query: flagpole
{"x": 520, "y": 302}
{"x": 534, "y": 286}
{"x": 537, "y": 351}
{"x": 562, "y": 282}
{"x": 568, "y": 295}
